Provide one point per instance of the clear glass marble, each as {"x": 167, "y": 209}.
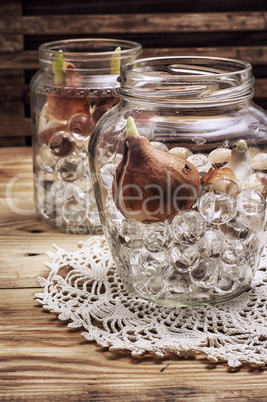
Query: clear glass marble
{"x": 198, "y": 116}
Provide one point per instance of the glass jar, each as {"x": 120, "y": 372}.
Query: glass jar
{"x": 180, "y": 177}
{"x": 73, "y": 89}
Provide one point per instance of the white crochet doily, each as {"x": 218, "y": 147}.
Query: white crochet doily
{"x": 84, "y": 288}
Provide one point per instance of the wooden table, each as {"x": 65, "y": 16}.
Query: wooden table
{"x": 42, "y": 359}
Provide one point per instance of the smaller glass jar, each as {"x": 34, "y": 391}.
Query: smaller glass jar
{"x": 181, "y": 179}
{"x": 75, "y": 86}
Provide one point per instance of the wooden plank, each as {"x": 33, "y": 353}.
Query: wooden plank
{"x": 261, "y": 88}
{"x": 255, "y": 55}
{"x": 10, "y": 7}
{"x": 170, "y": 40}
{"x": 11, "y": 77}
{"x": 20, "y": 60}
{"x": 12, "y": 141}
{"x": 29, "y": 251}
{"x": 12, "y": 162}
{"x": 14, "y": 93}
{"x": 126, "y": 23}
{"x": 51, "y": 7}
{"x": 11, "y": 43}
{"x": 17, "y": 127}
{"x": 11, "y": 109}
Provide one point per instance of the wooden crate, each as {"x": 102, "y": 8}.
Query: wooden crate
{"x": 235, "y": 29}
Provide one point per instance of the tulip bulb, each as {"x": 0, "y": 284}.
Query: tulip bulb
{"x": 150, "y": 184}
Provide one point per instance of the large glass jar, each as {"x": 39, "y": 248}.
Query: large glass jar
{"x": 180, "y": 177}
{"x": 73, "y": 89}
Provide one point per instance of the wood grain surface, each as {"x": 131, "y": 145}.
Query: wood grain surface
{"x": 41, "y": 359}
{"x": 126, "y": 23}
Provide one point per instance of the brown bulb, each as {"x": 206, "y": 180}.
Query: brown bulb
{"x": 226, "y": 186}
{"x": 152, "y": 185}
{"x": 98, "y": 112}
{"x": 63, "y": 107}
{"x": 215, "y": 174}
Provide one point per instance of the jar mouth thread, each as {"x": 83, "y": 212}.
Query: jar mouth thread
{"x": 91, "y": 56}
{"x": 196, "y": 80}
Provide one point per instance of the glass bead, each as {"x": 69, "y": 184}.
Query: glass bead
{"x": 61, "y": 144}
{"x": 48, "y": 207}
{"x": 177, "y": 283}
{"x": 80, "y": 126}
{"x": 107, "y": 173}
{"x": 83, "y": 190}
{"x": 256, "y": 181}
{"x": 70, "y": 169}
{"x": 253, "y": 205}
{"x": 207, "y": 273}
{"x": 217, "y": 208}
{"x": 227, "y": 284}
{"x": 188, "y": 227}
{"x": 237, "y": 229}
{"x": 251, "y": 202}
{"x": 153, "y": 262}
{"x": 62, "y": 191}
{"x": 81, "y": 150}
{"x": 93, "y": 216}
{"x": 113, "y": 212}
{"x": 235, "y": 254}
{"x": 211, "y": 245}
{"x": 132, "y": 233}
{"x": 226, "y": 186}
{"x": 156, "y": 236}
{"x": 184, "y": 258}
{"x": 45, "y": 159}
{"x": 44, "y": 181}
{"x": 73, "y": 212}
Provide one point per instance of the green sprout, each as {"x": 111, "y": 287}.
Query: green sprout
{"x": 131, "y": 127}
{"x": 59, "y": 68}
{"x": 115, "y": 64}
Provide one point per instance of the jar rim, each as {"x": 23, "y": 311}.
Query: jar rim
{"x": 187, "y": 79}
{"x": 52, "y": 48}
{"x": 88, "y": 56}
{"x": 134, "y": 64}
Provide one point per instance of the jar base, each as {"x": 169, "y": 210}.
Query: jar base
{"x": 183, "y": 301}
